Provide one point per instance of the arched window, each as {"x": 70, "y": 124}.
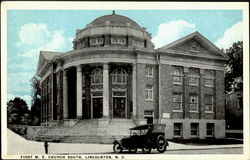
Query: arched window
{"x": 96, "y": 76}
{"x": 193, "y": 76}
{"x": 177, "y": 75}
{"x": 119, "y": 76}
{"x": 209, "y": 78}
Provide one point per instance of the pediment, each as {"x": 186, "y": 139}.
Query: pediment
{"x": 195, "y": 45}
{"x": 41, "y": 62}
{"x": 45, "y": 57}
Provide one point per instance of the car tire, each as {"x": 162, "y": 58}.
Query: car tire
{"x": 117, "y": 148}
{"x": 133, "y": 150}
{"x": 146, "y": 150}
{"x": 162, "y": 149}
{"x": 161, "y": 141}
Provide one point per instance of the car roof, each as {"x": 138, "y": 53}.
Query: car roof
{"x": 145, "y": 126}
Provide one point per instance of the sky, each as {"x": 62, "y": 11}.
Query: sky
{"x": 29, "y": 31}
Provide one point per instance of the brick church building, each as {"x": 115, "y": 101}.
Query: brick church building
{"x": 114, "y": 73}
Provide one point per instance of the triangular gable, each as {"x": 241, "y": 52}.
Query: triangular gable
{"x": 44, "y": 58}
{"x": 194, "y": 44}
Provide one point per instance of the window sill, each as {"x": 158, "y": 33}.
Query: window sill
{"x": 194, "y": 111}
{"x": 119, "y": 83}
{"x": 149, "y": 76}
{"x": 208, "y": 136}
{"x": 118, "y": 42}
{"x": 95, "y": 84}
{"x": 177, "y": 111}
{"x": 209, "y": 86}
{"x": 196, "y": 85}
{"x": 150, "y": 100}
{"x": 177, "y": 83}
{"x": 209, "y": 112}
{"x": 95, "y": 44}
{"x": 194, "y": 136}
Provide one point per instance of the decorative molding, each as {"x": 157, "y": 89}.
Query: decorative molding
{"x": 186, "y": 69}
{"x": 58, "y": 68}
{"x": 147, "y": 61}
{"x": 200, "y": 66}
{"x": 98, "y": 60}
{"x": 46, "y": 75}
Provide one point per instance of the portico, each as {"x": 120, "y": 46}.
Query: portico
{"x": 99, "y": 90}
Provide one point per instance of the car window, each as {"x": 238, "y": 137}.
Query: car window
{"x": 135, "y": 132}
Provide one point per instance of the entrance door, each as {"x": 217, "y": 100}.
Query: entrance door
{"x": 97, "y": 107}
{"x": 119, "y": 107}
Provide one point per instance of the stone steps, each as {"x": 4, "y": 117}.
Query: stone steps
{"x": 88, "y": 131}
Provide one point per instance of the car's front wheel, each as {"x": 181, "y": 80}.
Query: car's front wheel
{"x": 117, "y": 148}
{"x": 162, "y": 149}
{"x": 146, "y": 149}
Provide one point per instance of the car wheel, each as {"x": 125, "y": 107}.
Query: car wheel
{"x": 146, "y": 150}
{"x": 117, "y": 148}
{"x": 161, "y": 141}
{"x": 133, "y": 150}
{"x": 162, "y": 149}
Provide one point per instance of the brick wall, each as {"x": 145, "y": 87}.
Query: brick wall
{"x": 220, "y": 95}
{"x": 219, "y": 128}
{"x": 142, "y": 81}
{"x": 166, "y": 89}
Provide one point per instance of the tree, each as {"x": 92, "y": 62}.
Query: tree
{"x": 36, "y": 100}
{"x": 234, "y": 68}
{"x": 18, "y": 112}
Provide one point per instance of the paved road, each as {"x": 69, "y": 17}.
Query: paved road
{"x": 236, "y": 150}
{"x": 19, "y": 145}
{"x": 208, "y": 151}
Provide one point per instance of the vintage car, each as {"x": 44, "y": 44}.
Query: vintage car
{"x": 145, "y": 137}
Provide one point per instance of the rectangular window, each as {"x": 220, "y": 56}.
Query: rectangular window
{"x": 177, "y": 129}
{"x": 209, "y": 78}
{"x": 209, "y": 82}
{"x": 193, "y": 104}
{"x": 149, "y": 71}
{"x": 177, "y": 75}
{"x": 209, "y": 103}
{"x": 177, "y": 102}
{"x": 177, "y": 79}
{"x": 138, "y": 43}
{"x": 193, "y": 81}
{"x": 118, "y": 40}
{"x": 96, "y": 41}
{"x": 210, "y": 129}
{"x": 194, "y": 129}
{"x": 149, "y": 93}
{"x": 114, "y": 40}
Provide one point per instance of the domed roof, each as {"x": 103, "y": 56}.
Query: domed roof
{"x": 114, "y": 19}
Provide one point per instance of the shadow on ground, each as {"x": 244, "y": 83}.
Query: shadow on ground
{"x": 208, "y": 141}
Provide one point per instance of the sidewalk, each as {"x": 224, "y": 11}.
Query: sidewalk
{"x": 18, "y": 145}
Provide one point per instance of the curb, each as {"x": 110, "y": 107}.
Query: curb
{"x": 204, "y": 148}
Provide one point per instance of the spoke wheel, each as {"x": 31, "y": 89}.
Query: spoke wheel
{"x": 161, "y": 142}
{"x": 134, "y": 150}
{"x": 117, "y": 148}
{"x": 146, "y": 150}
{"x": 161, "y": 149}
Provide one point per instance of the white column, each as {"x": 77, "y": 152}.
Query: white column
{"x": 134, "y": 91}
{"x": 105, "y": 90}
{"x": 65, "y": 95}
{"x": 79, "y": 91}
